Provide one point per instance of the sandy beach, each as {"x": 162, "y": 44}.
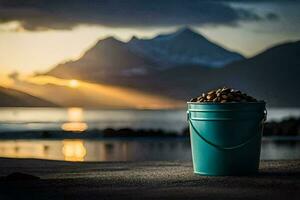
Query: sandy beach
{"x": 141, "y": 180}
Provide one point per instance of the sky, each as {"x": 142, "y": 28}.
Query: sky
{"x": 35, "y": 35}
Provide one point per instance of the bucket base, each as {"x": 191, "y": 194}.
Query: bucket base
{"x": 236, "y": 174}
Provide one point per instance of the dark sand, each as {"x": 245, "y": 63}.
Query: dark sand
{"x": 143, "y": 180}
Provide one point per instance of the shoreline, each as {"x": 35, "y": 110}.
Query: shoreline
{"x": 289, "y": 127}
{"x": 60, "y": 135}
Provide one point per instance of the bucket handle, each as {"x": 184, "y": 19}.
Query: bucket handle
{"x": 219, "y": 146}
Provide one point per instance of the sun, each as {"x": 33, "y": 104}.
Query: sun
{"x": 73, "y": 83}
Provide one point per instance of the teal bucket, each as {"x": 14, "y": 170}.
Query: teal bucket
{"x": 226, "y": 138}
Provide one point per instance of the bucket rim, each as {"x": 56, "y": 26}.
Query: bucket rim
{"x": 226, "y": 103}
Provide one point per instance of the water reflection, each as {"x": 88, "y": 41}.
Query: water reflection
{"x": 125, "y": 150}
{"x": 25, "y": 149}
{"x": 75, "y": 121}
{"x": 73, "y": 150}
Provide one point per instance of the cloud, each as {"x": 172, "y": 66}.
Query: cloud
{"x": 66, "y": 14}
{"x": 272, "y": 16}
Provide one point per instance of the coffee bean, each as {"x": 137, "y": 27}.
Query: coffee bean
{"x": 223, "y": 95}
{"x": 225, "y": 90}
{"x": 230, "y": 96}
{"x": 211, "y": 92}
{"x": 200, "y": 99}
{"x": 211, "y": 96}
{"x": 193, "y": 100}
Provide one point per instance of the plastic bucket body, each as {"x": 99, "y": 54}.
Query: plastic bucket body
{"x": 226, "y": 138}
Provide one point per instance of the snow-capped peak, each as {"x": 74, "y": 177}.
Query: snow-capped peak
{"x": 183, "y": 47}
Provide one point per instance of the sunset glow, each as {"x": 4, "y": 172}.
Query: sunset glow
{"x": 43, "y": 80}
{"x": 73, "y": 83}
{"x": 94, "y": 95}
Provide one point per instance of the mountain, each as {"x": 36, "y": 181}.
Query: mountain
{"x": 13, "y": 98}
{"x": 112, "y": 59}
{"x": 108, "y": 58}
{"x": 184, "y": 47}
{"x": 273, "y": 74}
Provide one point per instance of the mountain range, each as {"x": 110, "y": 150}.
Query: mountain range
{"x": 113, "y": 58}
{"x": 183, "y": 64}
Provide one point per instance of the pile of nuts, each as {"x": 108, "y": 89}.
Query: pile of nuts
{"x": 224, "y": 95}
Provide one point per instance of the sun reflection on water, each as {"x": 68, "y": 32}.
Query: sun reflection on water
{"x": 74, "y": 126}
{"x": 73, "y": 150}
{"x": 75, "y": 121}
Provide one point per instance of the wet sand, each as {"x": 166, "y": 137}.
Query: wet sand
{"x": 142, "y": 180}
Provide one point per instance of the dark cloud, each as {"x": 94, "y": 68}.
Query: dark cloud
{"x": 272, "y": 16}
{"x": 65, "y": 14}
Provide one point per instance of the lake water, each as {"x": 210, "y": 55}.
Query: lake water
{"x": 133, "y": 149}
{"x": 128, "y": 150}
{"x": 20, "y": 119}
